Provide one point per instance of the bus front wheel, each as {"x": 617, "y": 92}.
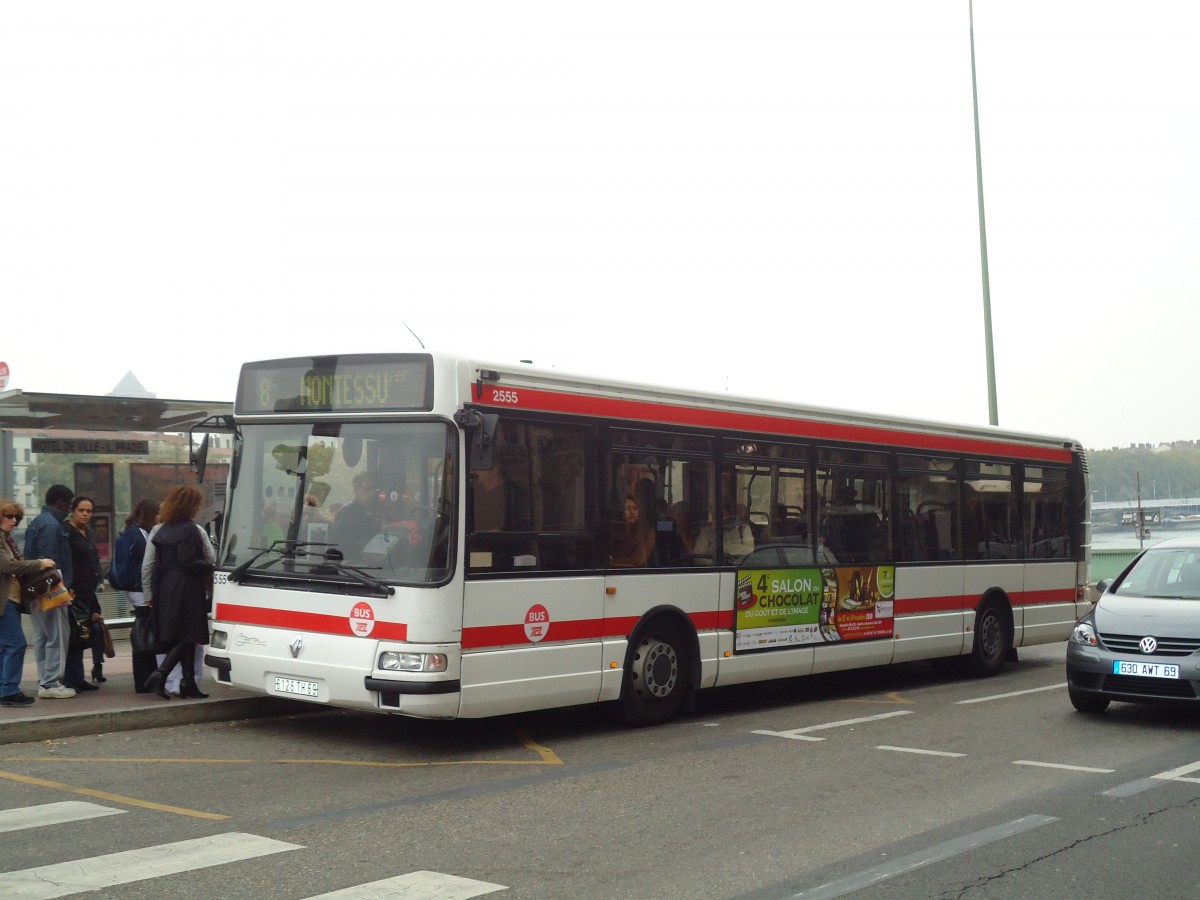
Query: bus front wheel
{"x": 656, "y": 678}
{"x": 993, "y": 640}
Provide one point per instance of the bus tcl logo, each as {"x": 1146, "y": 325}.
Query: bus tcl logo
{"x": 537, "y": 623}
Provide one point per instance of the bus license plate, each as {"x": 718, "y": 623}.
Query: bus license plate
{"x": 1145, "y": 670}
{"x": 294, "y": 686}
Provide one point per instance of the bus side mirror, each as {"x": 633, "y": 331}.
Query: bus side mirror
{"x": 481, "y": 436}
{"x": 199, "y": 458}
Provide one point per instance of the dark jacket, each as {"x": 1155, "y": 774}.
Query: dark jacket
{"x": 85, "y": 562}
{"x": 182, "y": 575}
{"x": 46, "y": 538}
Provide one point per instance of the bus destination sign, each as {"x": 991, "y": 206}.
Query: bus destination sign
{"x": 325, "y": 384}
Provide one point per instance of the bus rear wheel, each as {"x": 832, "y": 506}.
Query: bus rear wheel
{"x": 656, "y": 678}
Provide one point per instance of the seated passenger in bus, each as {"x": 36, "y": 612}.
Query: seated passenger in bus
{"x": 630, "y": 541}
{"x": 737, "y": 538}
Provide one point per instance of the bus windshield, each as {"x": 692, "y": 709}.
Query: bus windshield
{"x": 357, "y": 501}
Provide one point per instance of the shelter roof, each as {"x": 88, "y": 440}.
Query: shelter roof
{"x": 84, "y": 412}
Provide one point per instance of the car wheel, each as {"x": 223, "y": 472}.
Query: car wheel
{"x": 1088, "y": 703}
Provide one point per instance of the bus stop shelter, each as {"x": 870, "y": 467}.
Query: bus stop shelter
{"x": 109, "y": 431}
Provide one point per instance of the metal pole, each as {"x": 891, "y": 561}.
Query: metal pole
{"x": 993, "y": 416}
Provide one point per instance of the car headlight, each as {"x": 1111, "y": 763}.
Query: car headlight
{"x": 404, "y": 661}
{"x": 219, "y": 640}
{"x": 1084, "y": 634}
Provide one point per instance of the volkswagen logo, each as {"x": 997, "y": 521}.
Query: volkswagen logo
{"x": 1148, "y": 645}
{"x": 297, "y": 645}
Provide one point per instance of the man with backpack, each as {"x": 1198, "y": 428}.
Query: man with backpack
{"x": 125, "y": 574}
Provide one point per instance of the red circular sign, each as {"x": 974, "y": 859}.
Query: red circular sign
{"x": 3, "y": 375}
{"x": 362, "y": 619}
{"x": 537, "y": 622}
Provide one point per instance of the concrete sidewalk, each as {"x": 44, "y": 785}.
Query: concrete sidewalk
{"x": 117, "y": 707}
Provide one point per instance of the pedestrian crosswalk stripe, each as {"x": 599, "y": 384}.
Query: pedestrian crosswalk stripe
{"x": 97, "y": 872}
{"x": 53, "y": 814}
{"x": 416, "y": 886}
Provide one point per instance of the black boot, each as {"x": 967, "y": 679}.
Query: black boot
{"x": 187, "y": 676}
{"x": 154, "y": 684}
{"x": 189, "y": 691}
{"x": 98, "y": 673}
{"x": 158, "y": 676}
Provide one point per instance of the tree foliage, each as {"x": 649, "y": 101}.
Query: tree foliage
{"x": 1173, "y": 472}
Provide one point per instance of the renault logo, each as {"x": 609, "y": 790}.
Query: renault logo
{"x": 297, "y": 645}
{"x": 1148, "y": 645}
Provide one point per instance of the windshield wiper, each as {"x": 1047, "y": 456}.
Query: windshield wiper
{"x": 355, "y": 572}
{"x": 289, "y": 550}
{"x": 294, "y": 550}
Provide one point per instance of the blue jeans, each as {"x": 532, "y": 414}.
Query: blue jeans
{"x": 12, "y": 649}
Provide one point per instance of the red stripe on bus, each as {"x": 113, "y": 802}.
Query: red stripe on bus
{"x": 917, "y": 605}
{"x": 580, "y": 630}
{"x": 302, "y": 621}
{"x": 641, "y": 410}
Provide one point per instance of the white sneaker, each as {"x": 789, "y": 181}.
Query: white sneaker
{"x": 56, "y": 692}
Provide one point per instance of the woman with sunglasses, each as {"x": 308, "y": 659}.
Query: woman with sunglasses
{"x": 12, "y": 638}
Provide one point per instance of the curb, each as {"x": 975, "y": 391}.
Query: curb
{"x": 44, "y": 728}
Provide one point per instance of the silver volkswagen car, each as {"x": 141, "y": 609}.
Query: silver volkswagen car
{"x": 1141, "y": 642}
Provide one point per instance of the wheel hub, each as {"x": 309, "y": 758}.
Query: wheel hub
{"x": 658, "y": 668}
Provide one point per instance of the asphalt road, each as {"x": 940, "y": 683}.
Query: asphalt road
{"x": 885, "y": 783}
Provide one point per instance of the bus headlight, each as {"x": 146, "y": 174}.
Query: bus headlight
{"x": 403, "y": 661}
{"x": 220, "y": 640}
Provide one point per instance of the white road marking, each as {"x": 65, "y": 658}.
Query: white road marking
{"x": 98, "y": 872}
{"x": 1046, "y": 765}
{"x": 1177, "y": 774}
{"x": 1051, "y": 687}
{"x": 905, "y": 864}
{"x": 416, "y": 886}
{"x": 53, "y": 814}
{"x": 801, "y": 734}
{"x": 915, "y": 750}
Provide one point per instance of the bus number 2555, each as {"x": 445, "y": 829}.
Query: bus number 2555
{"x": 508, "y": 397}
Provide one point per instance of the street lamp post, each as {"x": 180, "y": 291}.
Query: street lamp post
{"x": 993, "y": 416}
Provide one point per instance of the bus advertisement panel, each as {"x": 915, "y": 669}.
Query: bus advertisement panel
{"x": 779, "y": 608}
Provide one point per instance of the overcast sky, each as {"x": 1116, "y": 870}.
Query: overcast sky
{"x": 771, "y": 199}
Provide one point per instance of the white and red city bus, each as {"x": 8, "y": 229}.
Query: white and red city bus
{"x": 432, "y": 536}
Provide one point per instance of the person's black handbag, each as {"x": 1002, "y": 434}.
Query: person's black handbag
{"x": 81, "y": 627}
{"x": 141, "y": 634}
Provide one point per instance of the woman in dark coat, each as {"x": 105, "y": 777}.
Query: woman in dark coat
{"x": 85, "y": 562}
{"x": 179, "y": 589}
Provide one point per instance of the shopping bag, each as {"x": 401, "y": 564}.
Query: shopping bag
{"x": 141, "y": 635}
{"x": 81, "y": 628}
{"x": 109, "y": 650}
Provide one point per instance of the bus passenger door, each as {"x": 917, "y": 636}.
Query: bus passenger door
{"x": 531, "y": 643}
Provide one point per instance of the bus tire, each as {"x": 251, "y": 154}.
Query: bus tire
{"x": 993, "y": 639}
{"x": 657, "y": 675}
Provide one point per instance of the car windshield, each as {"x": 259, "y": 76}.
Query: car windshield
{"x": 364, "y": 502}
{"x": 1172, "y": 573}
